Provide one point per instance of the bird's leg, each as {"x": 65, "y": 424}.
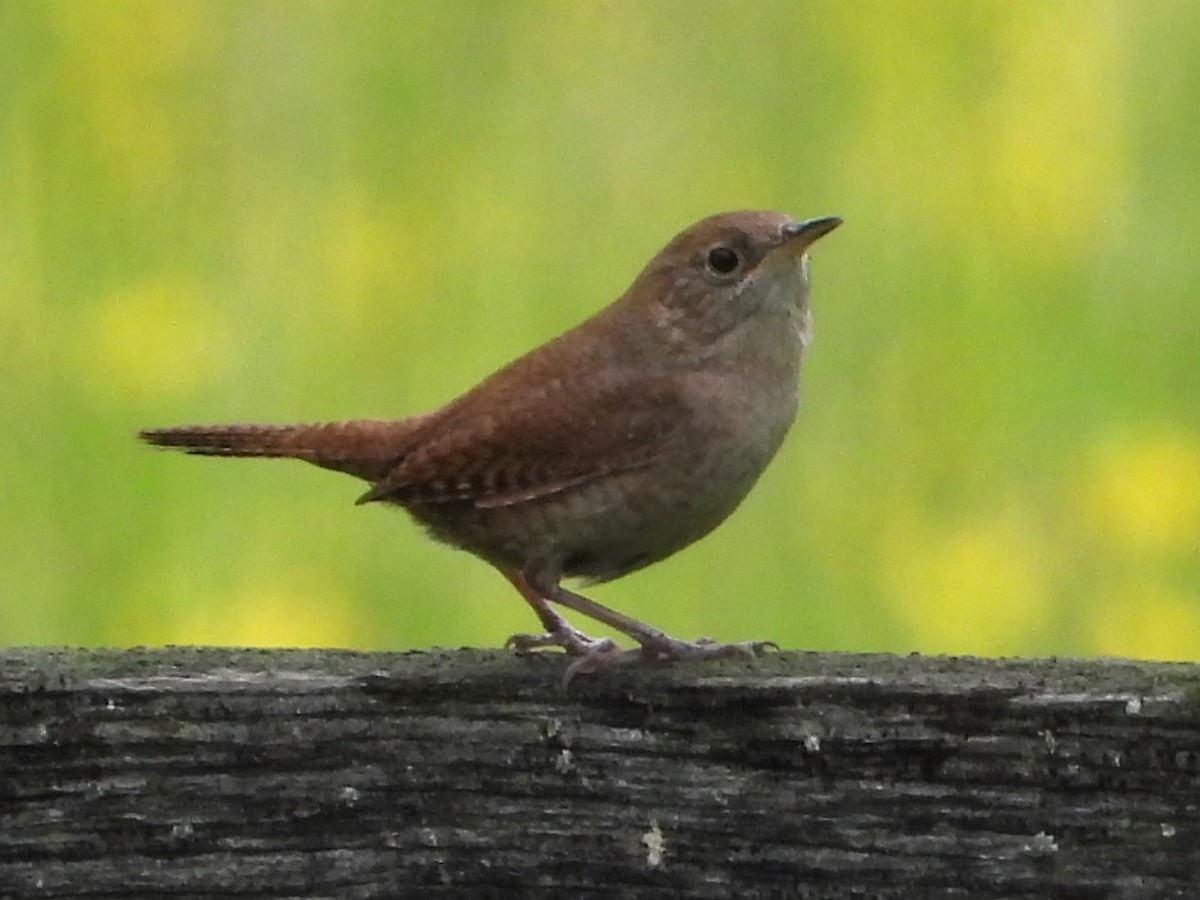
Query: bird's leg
{"x": 654, "y": 644}
{"x": 558, "y": 631}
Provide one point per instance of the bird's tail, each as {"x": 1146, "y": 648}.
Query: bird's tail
{"x": 365, "y": 448}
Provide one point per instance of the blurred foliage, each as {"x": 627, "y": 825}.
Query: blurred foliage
{"x": 301, "y": 211}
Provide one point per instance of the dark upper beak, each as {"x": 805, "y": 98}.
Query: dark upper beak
{"x": 798, "y": 236}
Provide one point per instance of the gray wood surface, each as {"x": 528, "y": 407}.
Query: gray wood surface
{"x": 203, "y": 772}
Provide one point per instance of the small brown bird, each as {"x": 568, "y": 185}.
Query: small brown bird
{"x": 606, "y": 449}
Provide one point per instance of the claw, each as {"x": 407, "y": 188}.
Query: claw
{"x": 527, "y": 643}
{"x": 594, "y": 655}
{"x": 573, "y": 641}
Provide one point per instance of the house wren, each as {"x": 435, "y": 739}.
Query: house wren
{"x": 606, "y": 449}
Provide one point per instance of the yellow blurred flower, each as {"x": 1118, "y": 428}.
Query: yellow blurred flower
{"x": 1147, "y": 621}
{"x": 153, "y": 338}
{"x": 1141, "y": 493}
{"x": 979, "y": 587}
{"x": 288, "y": 611}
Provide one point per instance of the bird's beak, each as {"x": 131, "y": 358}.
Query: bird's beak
{"x": 799, "y": 236}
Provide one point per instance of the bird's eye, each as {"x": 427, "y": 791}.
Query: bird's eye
{"x": 722, "y": 260}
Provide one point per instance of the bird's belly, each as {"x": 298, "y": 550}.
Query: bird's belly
{"x": 608, "y": 526}
{"x": 642, "y": 523}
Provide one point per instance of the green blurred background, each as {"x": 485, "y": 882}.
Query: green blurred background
{"x": 282, "y": 211}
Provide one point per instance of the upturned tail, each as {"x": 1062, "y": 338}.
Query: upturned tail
{"x": 365, "y": 448}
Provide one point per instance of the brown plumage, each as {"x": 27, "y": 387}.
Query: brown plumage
{"x": 610, "y": 447}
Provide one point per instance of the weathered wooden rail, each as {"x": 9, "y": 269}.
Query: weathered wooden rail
{"x": 203, "y": 772}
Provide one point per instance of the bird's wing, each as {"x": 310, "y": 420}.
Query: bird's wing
{"x": 497, "y": 449}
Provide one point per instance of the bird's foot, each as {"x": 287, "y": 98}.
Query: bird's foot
{"x": 572, "y": 640}
{"x": 591, "y": 654}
